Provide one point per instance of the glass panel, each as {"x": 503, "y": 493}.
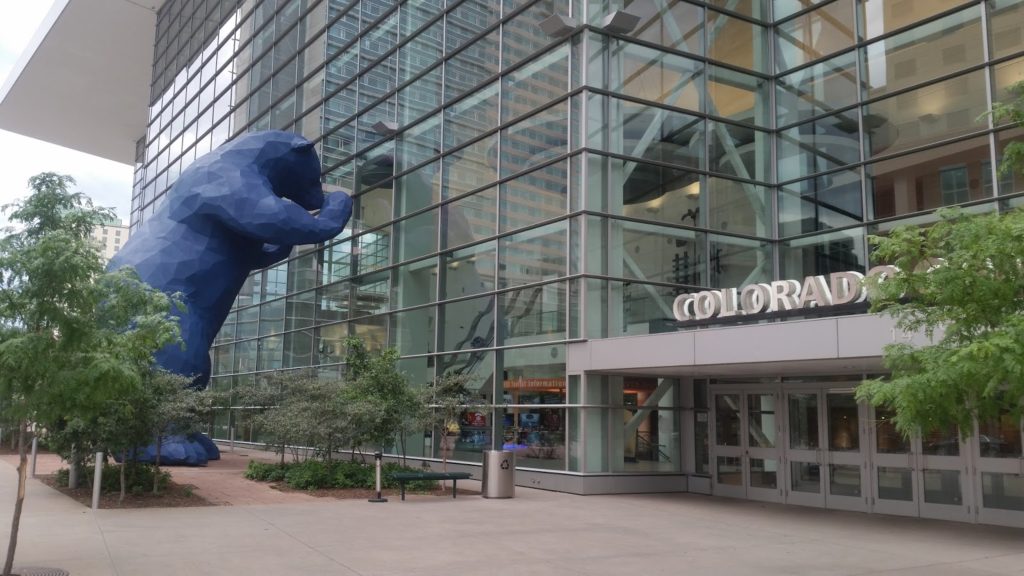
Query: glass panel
{"x": 819, "y": 145}
{"x": 823, "y": 254}
{"x": 736, "y": 42}
{"x": 895, "y": 484}
{"x": 468, "y": 324}
{"x": 412, "y": 331}
{"x": 887, "y": 439}
{"x": 817, "y": 89}
{"x": 270, "y": 353}
{"x": 272, "y": 317}
{"x": 727, "y": 420}
{"x": 372, "y": 294}
{"x": 535, "y": 376}
{"x": 702, "y": 448}
{"x": 931, "y": 179}
{"x": 650, "y": 192}
{"x": 416, "y": 236}
{"x": 844, "y": 480}
{"x": 535, "y": 84}
{"x": 469, "y": 271}
{"x": 806, "y": 477}
{"x": 814, "y": 35}
{"x": 299, "y": 310}
{"x": 652, "y": 75}
{"x": 739, "y": 151}
{"x": 417, "y": 190}
{"x": 469, "y": 219}
{"x": 923, "y": 53}
{"x": 803, "y": 423}
{"x": 738, "y": 96}
{"x": 678, "y": 25}
{"x": 646, "y": 132}
{"x": 843, "y": 423}
{"x": 522, "y": 35}
{"x": 470, "y": 117}
{"x": 1002, "y": 491}
{"x": 761, "y": 422}
{"x": 530, "y": 142}
{"x": 739, "y": 261}
{"x": 415, "y": 284}
{"x": 942, "y": 487}
{"x": 472, "y": 66}
{"x": 764, "y": 473}
{"x": 471, "y": 167}
{"x": 534, "y": 255}
{"x": 879, "y": 17}
{"x": 298, "y": 349}
{"x": 1006, "y": 26}
{"x": 941, "y": 442}
{"x": 1000, "y": 438}
{"x": 821, "y": 203}
{"x": 330, "y": 343}
{"x": 533, "y": 315}
{"x": 534, "y": 197}
{"x": 943, "y": 110}
{"x": 333, "y": 302}
{"x": 730, "y": 470}
{"x": 738, "y": 207}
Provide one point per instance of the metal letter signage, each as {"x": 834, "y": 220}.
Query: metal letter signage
{"x": 815, "y": 292}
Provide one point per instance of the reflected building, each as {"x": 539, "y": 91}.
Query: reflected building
{"x": 530, "y": 204}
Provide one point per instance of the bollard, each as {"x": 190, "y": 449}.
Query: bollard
{"x": 97, "y": 481}
{"x": 73, "y": 470}
{"x": 378, "y": 456}
{"x": 35, "y": 452}
{"x": 232, "y": 438}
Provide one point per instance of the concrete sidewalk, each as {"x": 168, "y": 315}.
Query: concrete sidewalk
{"x": 537, "y": 534}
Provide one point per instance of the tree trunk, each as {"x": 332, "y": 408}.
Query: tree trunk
{"x": 22, "y": 480}
{"x": 156, "y": 469}
{"x": 124, "y": 464}
{"x": 401, "y": 443}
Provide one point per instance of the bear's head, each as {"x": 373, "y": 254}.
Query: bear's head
{"x": 291, "y": 165}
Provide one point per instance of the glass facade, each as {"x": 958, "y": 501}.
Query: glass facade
{"x": 516, "y": 191}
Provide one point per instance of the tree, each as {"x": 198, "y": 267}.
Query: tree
{"x": 171, "y": 405}
{"x": 377, "y": 399}
{"x": 443, "y": 403}
{"x": 73, "y": 337}
{"x": 961, "y": 283}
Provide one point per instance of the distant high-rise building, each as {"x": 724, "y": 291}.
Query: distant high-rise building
{"x": 110, "y": 236}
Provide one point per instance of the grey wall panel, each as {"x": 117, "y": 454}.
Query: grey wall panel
{"x": 865, "y": 335}
{"x": 672, "y": 349}
{"x": 802, "y": 340}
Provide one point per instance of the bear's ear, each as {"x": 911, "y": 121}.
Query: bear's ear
{"x": 304, "y": 147}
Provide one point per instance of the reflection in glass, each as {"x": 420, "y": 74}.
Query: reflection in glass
{"x": 534, "y": 255}
{"x": 678, "y": 25}
{"x": 540, "y": 137}
{"x": 533, "y": 315}
{"x": 843, "y": 423}
{"x": 941, "y": 442}
{"x": 738, "y": 96}
{"x": 468, "y": 324}
{"x": 814, "y": 35}
{"x": 1002, "y": 491}
{"x": 895, "y": 484}
{"x": 942, "y": 486}
{"x": 819, "y": 145}
{"x": 737, "y": 42}
{"x": 821, "y": 203}
{"x": 844, "y": 480}
{"x": 803, "y": 421}
{"x": 935, "y": 49}
{"x": 817, "y": 89}
{"x": 1006, "y": 26}
{"x": 730, "y": 470}
{"x": 739, "y": 261}
{"x": 888, "y": 440}
{"x": 823, "y": 254}
{"x": 806, "y": 477}
{"x": 647, "y": 73}
{"x": 727, "y": 420}
{"x": 879, "y": 17}
{"x": 534, "y": 197}
{"x": 469, "y": 219}
{"x": 1000, "y": 438}
{"x": 761, "y": 421}
{"x": 764, "y": 473}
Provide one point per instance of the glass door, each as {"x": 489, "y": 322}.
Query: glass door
{"x": 999, "y": 477}
{"x": 844, "y": 454}
{"x": 728, "y": 445}
{"x": 763, "y": 428}
{"x": 892, "y": 467}
{"x": 805, "y": 483}
{"x": 942, "y": 475}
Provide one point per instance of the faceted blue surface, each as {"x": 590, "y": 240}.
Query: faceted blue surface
{"x": 239, "y": 208}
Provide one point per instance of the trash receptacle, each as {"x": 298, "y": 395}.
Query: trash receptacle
{"x": 499, "y": 474}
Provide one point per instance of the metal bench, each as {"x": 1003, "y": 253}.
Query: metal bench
{"x": 403, "y": 477}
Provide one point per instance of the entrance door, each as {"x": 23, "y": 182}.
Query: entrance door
{"x": 845, "y": 456}
{"x": 746, "y": 450}
{"x": 805, "y": 483}
{"x": 999, "y": 480}
{"x": 942, "y": 475}
{"x": 892, "y": 470}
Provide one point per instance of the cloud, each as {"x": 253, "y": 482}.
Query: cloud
{"x": 107, "y": 183}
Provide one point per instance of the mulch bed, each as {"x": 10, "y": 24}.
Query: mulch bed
{"x": 363, "y": 493}
{"x": 174, "y": 496}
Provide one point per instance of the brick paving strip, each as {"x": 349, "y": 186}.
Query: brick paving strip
{"x": 221, "y": 482}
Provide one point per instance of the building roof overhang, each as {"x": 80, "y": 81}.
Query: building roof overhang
{"x": 83, "y": 81}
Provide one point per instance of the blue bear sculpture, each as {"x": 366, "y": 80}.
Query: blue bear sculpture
{"x": 239, "y": 208}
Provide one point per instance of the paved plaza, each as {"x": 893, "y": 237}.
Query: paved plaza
{"x": 536, "y": 534}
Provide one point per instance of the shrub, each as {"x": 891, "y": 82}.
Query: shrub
{"x": 265, "y": 471}
{"x": 138, "y": 478}
{"x": 308, "y": 475}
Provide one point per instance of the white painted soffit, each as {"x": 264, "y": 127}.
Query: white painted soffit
{"x": 83, "y": 80}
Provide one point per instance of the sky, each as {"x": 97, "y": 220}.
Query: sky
{"x": 108, "y": 183}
